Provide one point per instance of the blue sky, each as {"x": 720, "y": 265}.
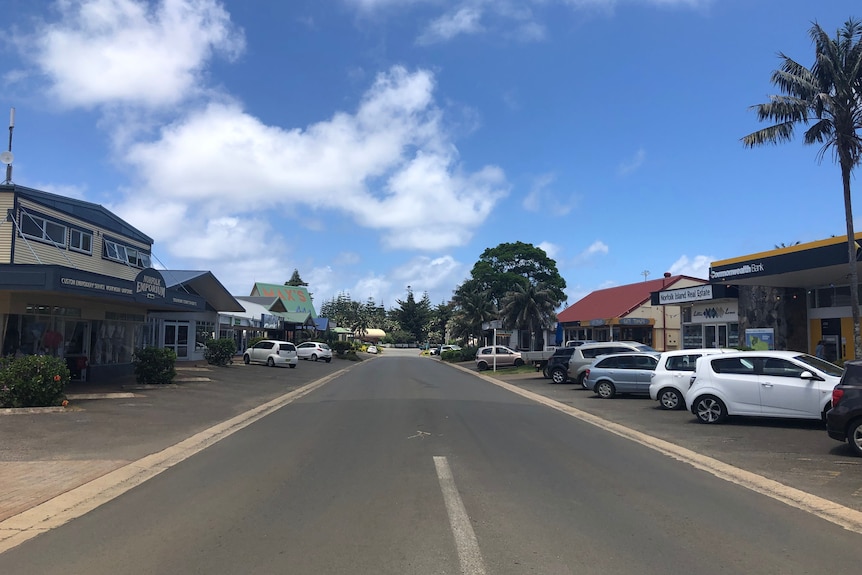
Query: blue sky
{"x": 380, "y": 144}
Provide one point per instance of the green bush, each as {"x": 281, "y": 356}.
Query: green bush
{"x": 33, "y": 381}
{"x": 155, "y": 365}
{"x": 220, "y": 351}
{"x": 341, "y": 347}
{"x": 463, "y": 354}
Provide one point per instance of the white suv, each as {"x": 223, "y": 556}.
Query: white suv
{"x": 761, "y": 383}
{"x": 272, "y": 352}
{"x": 672, "y": 375}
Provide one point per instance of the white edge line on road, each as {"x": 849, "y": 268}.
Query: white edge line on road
{"x": 83, "y": 499}
{"x": 845, "y": 517}
{"x": 465, "y": 538}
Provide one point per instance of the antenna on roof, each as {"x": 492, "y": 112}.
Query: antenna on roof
{"x": 645, "y": 273}
{"x": 7, "y": 157}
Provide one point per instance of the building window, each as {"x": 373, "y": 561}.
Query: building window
{"x": 80, "y": 241}
{"x": 43, "y": 230}
{"x": 126, "y": 254}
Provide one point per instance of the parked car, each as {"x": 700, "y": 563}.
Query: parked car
{"x": 761, "y": 383}
{"x": 617, "y": 373}
{"x": 272, "y": 352}
{"x": 672, "y": 375}
{"x": 371, "y": 349}
{"x": 314, "y": 350}
{"x": 560, "y": 358}
{"x": 578, "y": 342}
{"x": 844, "y": 420}
{"x": 438, "y": 350}
{"x": 583, "y": 356}
{"x": 486, "y": 357}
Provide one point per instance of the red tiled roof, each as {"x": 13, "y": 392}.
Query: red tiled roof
{"x": 616, "y": 301}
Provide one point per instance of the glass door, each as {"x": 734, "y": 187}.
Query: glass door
{"x": 715, "y": 335}
{"x": 176, "y": 337}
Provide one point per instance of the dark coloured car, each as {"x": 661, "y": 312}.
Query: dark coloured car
{"x": 844, "y": 420}
{"x": 560, "y": 359}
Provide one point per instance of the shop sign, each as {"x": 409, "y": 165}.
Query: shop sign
{"x": 150, "y": 285}
{"x": 634, "y": 321}
{"x": 743, "y": 270}
{"x": 687, "y": 294}
{"x": 596, "y": 322}
{"x": 715, "y": 313}
{"x": 114, "y": 287}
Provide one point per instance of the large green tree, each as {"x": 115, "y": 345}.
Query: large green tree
{"x": 414, "y": 317}
{"x": 499, "y": 269}
{"x": 827, "y": 99}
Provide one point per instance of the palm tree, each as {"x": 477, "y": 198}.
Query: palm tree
{"x": 472, "y": 307}
{"x": 828, "y": 98}
{"x": 529, "y": 305}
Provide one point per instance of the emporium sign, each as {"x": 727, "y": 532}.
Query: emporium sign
{"x": 150, "y": 285}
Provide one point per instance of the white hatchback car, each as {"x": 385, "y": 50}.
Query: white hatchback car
{"x": 272, "y": 352}
{"x": 788, "y": 384}
{"x": 314, "y": 350}
{"x": 672, "y": 375}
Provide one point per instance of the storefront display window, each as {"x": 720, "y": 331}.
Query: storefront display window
{"x": 692, "y": 336}
{"x": 116, "y": 338}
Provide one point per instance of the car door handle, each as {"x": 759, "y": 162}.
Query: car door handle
{"x": 766, "y": 384}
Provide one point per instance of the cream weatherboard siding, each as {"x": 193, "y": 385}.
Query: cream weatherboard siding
{"x": 36, "y": 252}
{"x": 7, "y": 202}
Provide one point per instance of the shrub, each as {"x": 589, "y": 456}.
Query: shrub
{"x": 220, "y": 351}
{"x": 33, "y": 381}
{"x": 155, "y": 365}
{"x": 341, "y": 347}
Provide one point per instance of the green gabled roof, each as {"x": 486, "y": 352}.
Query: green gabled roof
{"x": 295, "y": 299}
{"x": 297, "y": 318}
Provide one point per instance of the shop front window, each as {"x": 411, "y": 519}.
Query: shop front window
{"x": 204, "y": 331}
{"x": 692, "y": 336}
{"x": 116, "y": 338}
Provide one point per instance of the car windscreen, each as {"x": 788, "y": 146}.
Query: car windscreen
{"x": 821, "y": 364}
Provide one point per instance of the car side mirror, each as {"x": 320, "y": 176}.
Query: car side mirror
{"x": 809, "y": 375}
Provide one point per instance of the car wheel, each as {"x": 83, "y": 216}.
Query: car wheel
{"x": 854, "y": 436}
{"x": 519, "y": 362}
{"x": 709, "y": 409}
{"x": 559, "y": 375}
{"x": 670, "y": 398}
{"x": 270, "y": 362}
{"x": 313, "y": 357}
{"x": 545, "y": 373}
{"x": 582, "y": 379}
{"x": 482, "y": 366}
{"x": 605, "y": 389}
{"x": 246, "y": 359}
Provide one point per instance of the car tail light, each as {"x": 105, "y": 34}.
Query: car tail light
{"x": 837, "y": 394}
{"x": 587, "y": 374}
{"x": 691, "y": 380}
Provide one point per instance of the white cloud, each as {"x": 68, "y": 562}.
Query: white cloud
{"x": 464, "y": 20}
{"x": 542, "y": 199}
{"x": 696, "y": 267}
{"x": 426, "y": 201}
{"x": 597, "y": 247}
{"x": 131, "y": 52}
{"x": 633, "y": 164}
{"x": 553, "y": 250}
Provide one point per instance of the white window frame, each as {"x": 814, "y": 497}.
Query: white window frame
{"x": 124, "y": 254}
{"x": 78, "y": 246}
{"x": 42, "y": 224}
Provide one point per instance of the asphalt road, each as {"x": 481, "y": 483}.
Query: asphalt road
{"x": 403, "y": 465}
